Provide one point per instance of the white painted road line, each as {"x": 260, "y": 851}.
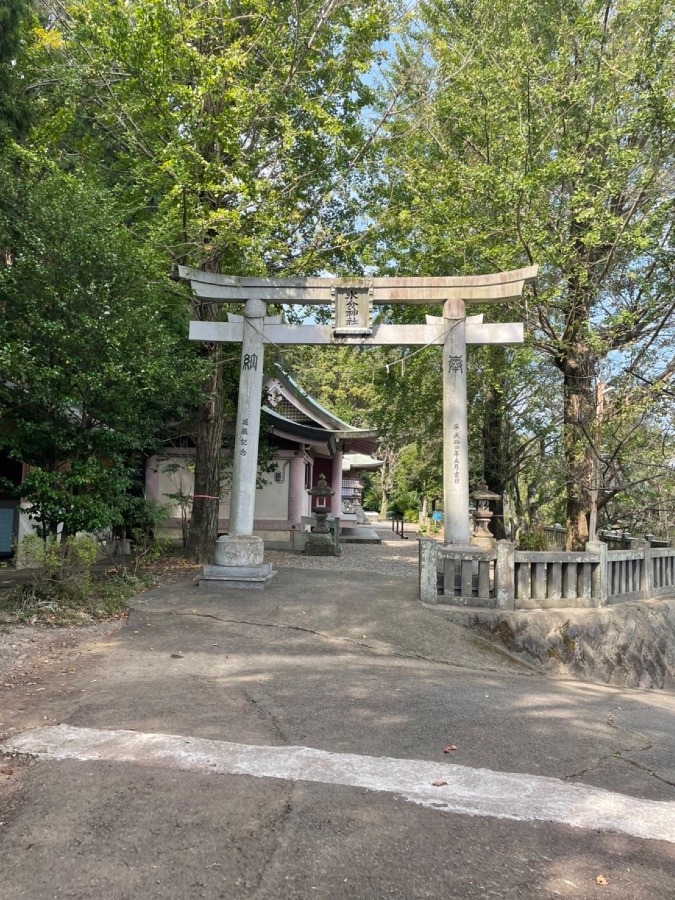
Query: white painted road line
{"x": 475, "y": 792}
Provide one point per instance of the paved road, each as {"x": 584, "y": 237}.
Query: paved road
{"x": 285, "y": 744}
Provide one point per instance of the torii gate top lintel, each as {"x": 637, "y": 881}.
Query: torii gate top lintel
{"x": 494, "y": 287}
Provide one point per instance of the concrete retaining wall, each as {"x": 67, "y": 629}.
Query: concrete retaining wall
{"x": 631, "y": 645}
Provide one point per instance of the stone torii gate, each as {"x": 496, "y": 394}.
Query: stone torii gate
{"x": 239, "y": 554}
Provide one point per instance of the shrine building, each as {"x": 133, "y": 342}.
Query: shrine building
{"x": 307, "y": 441}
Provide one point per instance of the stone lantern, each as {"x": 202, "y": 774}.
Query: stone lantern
{"x": 321, "y": 542}
{"x": 482, "y": 497}
{"x": 322, "y": 489}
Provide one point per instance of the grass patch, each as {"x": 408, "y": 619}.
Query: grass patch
{"x": 42, "y": 602}
{"x": 64, "y": 587}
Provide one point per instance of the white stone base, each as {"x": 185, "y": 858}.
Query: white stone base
{"x": 239, "y": 564}
{"x": 239, "y": 550}
{"x": 245, "y": 577}
{"x": 320, "y": 545}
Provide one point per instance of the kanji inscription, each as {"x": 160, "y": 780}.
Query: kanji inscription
{"x": 352, "y": 312}
{"x": 456, "y": 443}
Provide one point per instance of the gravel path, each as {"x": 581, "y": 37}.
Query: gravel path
{"x": 392, "y": 557}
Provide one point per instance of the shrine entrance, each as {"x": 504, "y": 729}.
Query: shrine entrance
{"x": 239, "y": 554}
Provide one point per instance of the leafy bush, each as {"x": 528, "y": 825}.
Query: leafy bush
{"x": 62, "y": 589}
{"x": 61, "y": 571}
{"x": 533, "y": 540}
{"x": 431, "y": 526}
{"x": 406, "y": 504}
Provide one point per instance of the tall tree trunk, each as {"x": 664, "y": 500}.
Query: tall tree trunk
{"x": 493, "y": 443}
{"x": 203, "y": 532}
{"x": 578, "y": 423}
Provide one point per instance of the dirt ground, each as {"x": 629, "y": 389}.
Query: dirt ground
{"x": 361, "y": 669}
{"x": 26, "y": 649}
{"x": 29, "y": 652}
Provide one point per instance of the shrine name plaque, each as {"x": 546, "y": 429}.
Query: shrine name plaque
{"x": 352, "y": 312}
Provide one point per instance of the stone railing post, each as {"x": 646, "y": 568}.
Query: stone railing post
{"x": 505, "y": 575}
{"x": 336, "y": 535}
{"x": 428, "y": 567}
{"x": 647, "y": 580}
{"x": 599, "y": 577}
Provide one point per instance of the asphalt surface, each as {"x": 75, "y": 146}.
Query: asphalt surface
{"x": 342, "y": 662}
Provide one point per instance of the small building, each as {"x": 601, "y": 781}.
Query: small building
{"x": 353, "y": 467}
{"x": 307, "y": 441}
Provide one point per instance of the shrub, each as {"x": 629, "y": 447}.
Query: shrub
{"x": 431, "y": 526}
{"x": 533, "y": 540}
{"x": 62, "y": 589}
{"x": 61, "y": 570}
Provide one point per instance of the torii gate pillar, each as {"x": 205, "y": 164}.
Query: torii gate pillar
{"x": 239, "y": 554}
{"x": 455, "y": 427}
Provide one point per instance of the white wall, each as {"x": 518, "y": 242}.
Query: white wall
{"x": 271, "y": 501}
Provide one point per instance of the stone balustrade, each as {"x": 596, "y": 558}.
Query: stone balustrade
{"x": 510, "y": 579}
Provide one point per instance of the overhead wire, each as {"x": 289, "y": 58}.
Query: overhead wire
{"x": 402, "y": 359}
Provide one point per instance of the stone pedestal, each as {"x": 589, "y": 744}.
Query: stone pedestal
{"x": 484, "y": 541}
{"x": 239, "y": 564}
{"x": 239, "y": 550}
{"x": 320, "y": 545}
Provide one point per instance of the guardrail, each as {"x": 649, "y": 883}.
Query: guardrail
{"x": 506, "y": 578}
{"x": 467, "y": 577}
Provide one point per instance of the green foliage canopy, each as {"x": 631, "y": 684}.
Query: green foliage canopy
{"x": 93, "y": 359}
{"x": 544, "y": 132}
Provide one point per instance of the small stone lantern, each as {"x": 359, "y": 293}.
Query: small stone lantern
{"x": 320, "y": 541}
{"x": 322, "y": 489}
{"x": 482, "y": 497}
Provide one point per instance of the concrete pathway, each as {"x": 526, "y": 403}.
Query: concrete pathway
{"x": 285, "y": 744}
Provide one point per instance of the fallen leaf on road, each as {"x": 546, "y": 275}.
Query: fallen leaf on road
{"x": 177, "y": 656}
{"x": 449, "y": 749}
{"x": 601, "y": 880}
{"x": 439, "y": 783}
{"x": 7, "y": 770}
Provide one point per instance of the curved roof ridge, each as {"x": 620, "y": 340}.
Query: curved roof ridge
{"x": 338, "y": 424}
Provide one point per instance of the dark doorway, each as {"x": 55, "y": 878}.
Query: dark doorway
{"x": 10, "y": 471}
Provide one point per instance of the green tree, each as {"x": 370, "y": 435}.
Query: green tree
{"x": 16, "y": 18}
{"x": 93, "y": 360}
{"x": 543, "y": 132}
{"x": 633, "y": 445}
{"x": 342, "y": 378}
{"x": 231, "y": 127}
